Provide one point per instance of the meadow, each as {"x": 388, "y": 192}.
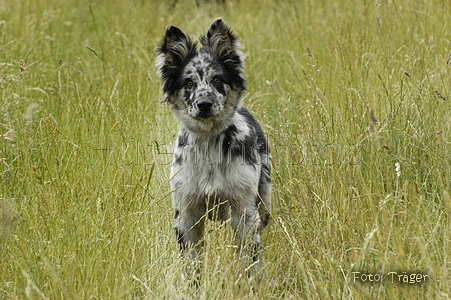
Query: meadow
{"x": 354, "y": 97}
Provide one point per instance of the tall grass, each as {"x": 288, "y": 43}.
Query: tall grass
{"x": 354, "y": 99}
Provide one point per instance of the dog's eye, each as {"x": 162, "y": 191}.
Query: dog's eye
{"x": 216, "y": 80}
{"x": 189, "y": 83}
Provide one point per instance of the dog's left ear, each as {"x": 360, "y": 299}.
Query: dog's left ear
{"x": 222, "y": 42}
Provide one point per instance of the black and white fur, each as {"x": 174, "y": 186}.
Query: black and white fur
{"x": 221, "y": 166}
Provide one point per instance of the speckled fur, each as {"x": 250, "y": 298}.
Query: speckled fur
{"x": 221, "y": 167}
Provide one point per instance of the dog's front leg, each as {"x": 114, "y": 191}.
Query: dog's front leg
{"x": 189, "y": 228}
{"x": 247, "y": 227}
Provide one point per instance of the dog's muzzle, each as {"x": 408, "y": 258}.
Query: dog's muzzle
{"x": 204, "y": 106}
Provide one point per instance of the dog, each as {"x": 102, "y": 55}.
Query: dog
{"x": 221, "y": 167}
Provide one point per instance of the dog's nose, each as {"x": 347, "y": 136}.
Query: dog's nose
{"x": 204, "y": 105}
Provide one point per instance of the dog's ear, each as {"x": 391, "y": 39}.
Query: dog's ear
{"x": 221, "y": 42}
{"x": 175, "y": 49}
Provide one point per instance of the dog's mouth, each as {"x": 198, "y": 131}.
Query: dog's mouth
{"x": 204, "y": 116}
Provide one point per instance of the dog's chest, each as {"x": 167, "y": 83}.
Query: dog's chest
{"x": 211, "y": 167}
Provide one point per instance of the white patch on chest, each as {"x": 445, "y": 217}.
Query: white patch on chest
{"x": 206, "y": 170}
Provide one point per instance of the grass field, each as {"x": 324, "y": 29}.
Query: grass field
{"x": 354, "y": 98}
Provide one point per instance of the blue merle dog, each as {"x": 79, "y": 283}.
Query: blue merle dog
{"x": 221, "y": 166}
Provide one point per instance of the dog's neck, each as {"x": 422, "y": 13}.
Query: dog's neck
{"x": 209, "y": 129}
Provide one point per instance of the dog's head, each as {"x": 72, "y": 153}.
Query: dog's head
{"x": 204, "y": 86}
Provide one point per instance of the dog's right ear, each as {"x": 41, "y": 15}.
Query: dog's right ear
{"x": 175, "y": 49}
